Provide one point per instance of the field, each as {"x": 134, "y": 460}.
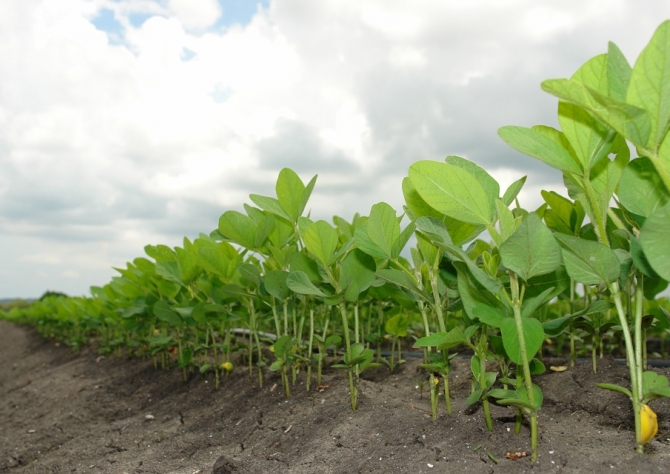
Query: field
{"x": 63, "y": 412}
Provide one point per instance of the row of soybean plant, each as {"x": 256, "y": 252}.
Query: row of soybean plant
{"x": 301, "y": 287}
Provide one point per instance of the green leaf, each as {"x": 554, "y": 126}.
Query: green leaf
{"x": 513, "y": 191}
{"x": 564, "y": 216}
{"x": 289, "y": 189}
{"x": 442, "y": 340}
{"x": 632, "y": 122}
{"x": 357, "y": 273}
{"x": 618, "y": 72}
{"x": 615, "y": 388}
{"x": 655, "y": 240}
{"x": 270, "y": 204}
{"x": 238, "y": 227}
{"x": 401, "y": 279}
{"x": 165, "y": 313}
{"x": 649, "y": 86}
{"x": 490, "y": 185}
{"x": 321, "y": 240}
{"x": 532, "y": 142}
{"x": 377, "y": 236}
{"x": 169, "y": 271}
{"x": 589, "y": 137}
{"x": 531, "y": 250}
{"x": 275, "y": 284}
{"x": 533, "y": 335}
{"x": 651, "y": 380}
{"x": 187, "y": 258}
{"x": 488, "y": 315}
{"x": 588, "y": 262}
{"x": 300, "y": 283}
{"x": 221, "y": 259}
{"x": 304, "y": 263}
{"x": 452, "y": 190}
{"x": 641, "y": 189}
{"x": 397, "y": 325}
{"x": 474, "y": 397}
{"x": 160, "y": 253}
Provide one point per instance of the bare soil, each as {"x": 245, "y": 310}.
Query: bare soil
{"x": 65, "y": 412}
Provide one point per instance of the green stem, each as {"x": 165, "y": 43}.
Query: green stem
{"x": 353, "y": 393}
{"x": 516, "y": 305}
{"x": 633, "y": 363}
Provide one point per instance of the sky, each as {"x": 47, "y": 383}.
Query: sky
{"x": 132, "y": 122}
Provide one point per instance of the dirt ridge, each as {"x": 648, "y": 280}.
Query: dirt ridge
{"x": 66, "y": 412}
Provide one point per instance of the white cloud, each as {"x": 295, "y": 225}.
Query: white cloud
{"x": 108, "y": 144}
{"x": 195, "y": 14}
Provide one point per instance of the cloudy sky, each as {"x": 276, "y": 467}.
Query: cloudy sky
{"x": 129, "y": 122}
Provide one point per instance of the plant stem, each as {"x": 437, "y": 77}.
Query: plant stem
{"x": 633, "y": 364}
{"x": 353, "y": 391}
{"x": 516, "y": 305}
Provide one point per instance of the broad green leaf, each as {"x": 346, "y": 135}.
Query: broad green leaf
{"x": 307, "y": 265}
{"x": 452, "y": 190}
{"x": 565, "y": 216}
{"x": 381, "y": 229}
{"x": 488, "y": 315}
{"x": 271, "y": 205}
{"x": 589, "y": 137}
{"x": 474, "y": 397}
{"x": 290, "y": 190}
{"x": 531, "y": 250}
{"x": 618, "y": 72}
{"x": 401, "y": 279}
{"x": 651, "y": 380}
{"x": 169, "y": 271}
{"x": 187, "y": 258}
{"x": 632, "y": 122}
{"x": 433, "y": 229}
{"x": 416, "y": 204}
{"x": 165, "y": 313}
{"x": 442, "y": 340}
{"x": 649, "y": 86}
{"x": 533, "y": 142}
{"x": 640, "y": 260}
{"x": 321, "y": 240}
{"x": 357, "y": 271}
{"x": 160, "y": 253}
{"x": 220, "y": 259}
{"x": 588, "y": 262}
{"x": 238, "y": 228}
{"x": 402, "y": 239}
{"x": 641, "y": 189}
{"x": 275, "y": 284}
{"x": 655, "y": 240}
{"x": 605, "y": 175}
{"x": 397, "y": 325}
{"x": 519, "y": 397}
{"x": 436, "y": 232}
{"x": 533, "y": 336}
{"x": 506, "y": 221}
{"x": 459, "y": 231}
{"x": 513, "y": 191}
{"x": 542, "y": 289}
{"x": 472, "y": 294}
{"x": 300, "y": 283}
{"x": 490, "y": 185}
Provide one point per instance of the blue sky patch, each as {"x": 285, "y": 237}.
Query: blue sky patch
{"x": 107, "y": 22}
{"x": 136, "y": 19}
{"x": 238, "y": 12}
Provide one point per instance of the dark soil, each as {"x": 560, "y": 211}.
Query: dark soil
{"x": 66, "y": 412}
